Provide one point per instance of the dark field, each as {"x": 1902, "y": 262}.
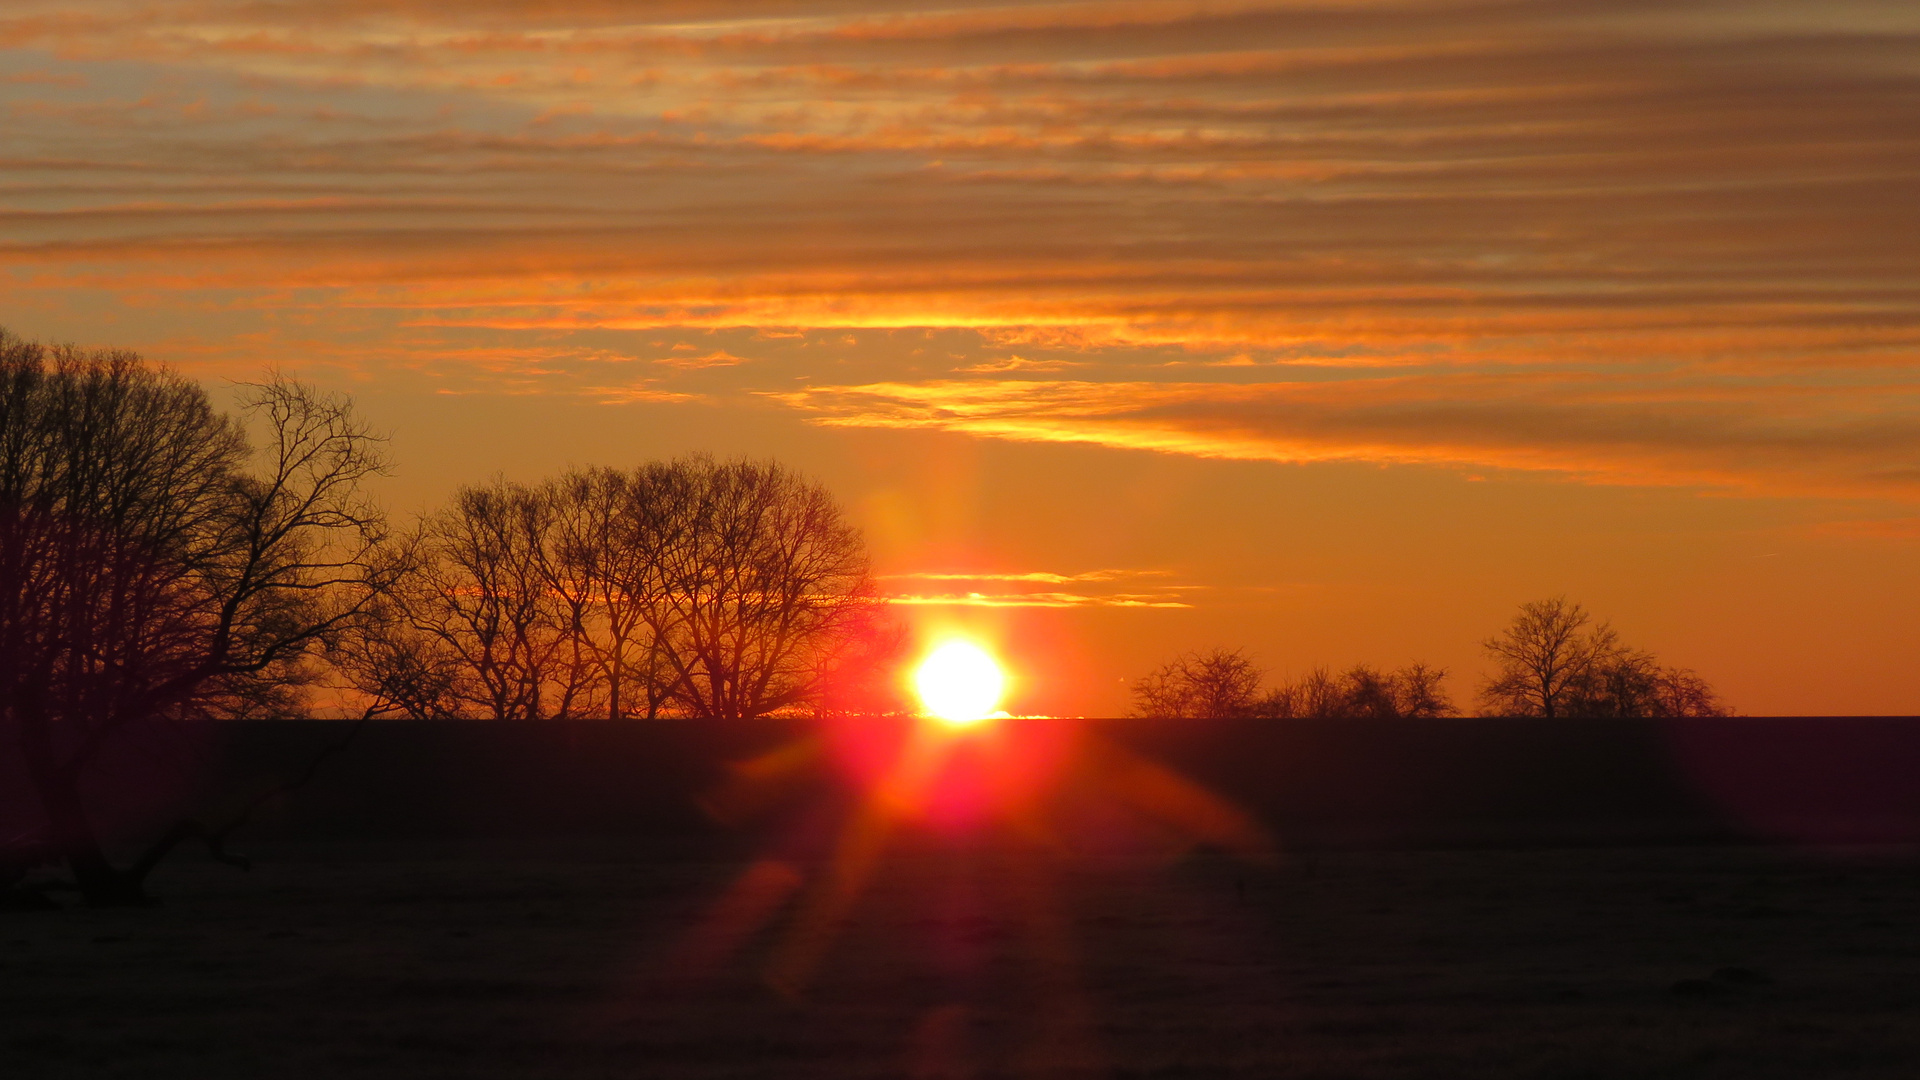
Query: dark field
{"x": 991, "y": 959}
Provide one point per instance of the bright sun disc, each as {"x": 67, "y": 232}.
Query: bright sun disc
{"x": 959, "y": 683}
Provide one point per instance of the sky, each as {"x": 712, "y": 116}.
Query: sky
{"x": 1333, "y": 331}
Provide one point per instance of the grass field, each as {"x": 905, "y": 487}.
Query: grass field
{"x": 991, "y": 960}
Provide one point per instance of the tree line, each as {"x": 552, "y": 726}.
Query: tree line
{"x": 1552, "y": 660}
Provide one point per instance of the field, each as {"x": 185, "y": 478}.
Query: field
{"x": 996, "y": 958}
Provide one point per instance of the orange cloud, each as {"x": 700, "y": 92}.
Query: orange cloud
{"x": 1040, "y": 576}
{"x": 1669, "y": 244}
{"x": 1861, "y": 440}
{"x": 1034, "y": 600}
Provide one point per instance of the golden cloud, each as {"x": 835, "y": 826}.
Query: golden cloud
{"x": 1858, "y": 440}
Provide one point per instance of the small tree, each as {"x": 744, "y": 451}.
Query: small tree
{"x": 1213, "y": 685}
{"x": 1362, "y": 692}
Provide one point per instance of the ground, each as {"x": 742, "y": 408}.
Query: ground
{"x": 989, "y": 959}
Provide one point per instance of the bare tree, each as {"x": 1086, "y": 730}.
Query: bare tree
{"x": 493, "y": 594}
{"x": 1361, "y": 692}
{"x": 1682, "y": 692}
{"x": 618, "y": 532}
{"x": 1553, "y": 663}
{"x": 154, "y": 566}
{"x": 394, "y": 668}
{"x": 1546, "y": 651}
{"x": 761, "y": 575}
{"x": 686, "y": 586}
{"x": 1635, "y": 683}
{"x": 1212, "y": 685}
{"x": 1419, "y": 692}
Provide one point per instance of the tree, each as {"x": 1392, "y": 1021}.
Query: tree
{"x": 1419, "y": 692}
{"x": 1635, "y": 683}
{"x": 1543, "y": 654}
{"x": 1362, "y": 692}
{"x": 763, "y": 579}
{"x": 687, "y": 586}
{"x": 498, "y": 605}
{"x": 154, "y": 566}
{"x": 604, "y": 564}
{"x": 1552, "y": 663}
{"x": 1213, "y": 685}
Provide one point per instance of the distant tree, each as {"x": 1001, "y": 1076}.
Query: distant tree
{"x": 1554, "y": 662}
{"x": 1419, "y": 692}
{"x": 1362, "y": 692}
{"x": 1544, "y": 654}
{"x": 1635, "y": 683}
{"x": 1682, "y": 692}
{"x": 607, "y": 564}
{"x": 155, "y": 566}
{"x": 1212, "y": 685}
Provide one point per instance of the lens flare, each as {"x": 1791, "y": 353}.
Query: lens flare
{"x": 959, "y": 683}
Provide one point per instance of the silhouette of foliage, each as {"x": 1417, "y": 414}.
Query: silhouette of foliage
{"x": 1555, "y": 661}
{"x": 1361, "y": 692}
{"x": 1212, "y": 685}
{"x": 1223, "y": 683}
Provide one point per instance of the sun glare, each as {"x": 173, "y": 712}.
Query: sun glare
{"x": 959, "y": 683}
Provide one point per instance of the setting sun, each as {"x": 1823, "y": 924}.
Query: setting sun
{"x": 959, "y": 683}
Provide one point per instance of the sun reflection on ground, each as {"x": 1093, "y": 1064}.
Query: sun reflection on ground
{"x": 1039, "y": 793}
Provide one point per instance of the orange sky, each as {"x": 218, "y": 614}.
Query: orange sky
{"x": 1335, "y": 329}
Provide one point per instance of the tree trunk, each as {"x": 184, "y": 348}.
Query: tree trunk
{"x": 69, "y": 830}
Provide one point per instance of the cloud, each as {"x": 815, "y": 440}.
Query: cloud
{"x": 717, "y": 358}
{"x": 1627, "y": 242}
{"x": 1040, "y": 576}
{"x": 628, "y": 395}
{"x": 1033, "y": 600}
{"x": 1856, "y": 440}
{"x": 1162, "y": 595}
{"x": 1905, "y": 528}
{"x": 1019, "y": 363}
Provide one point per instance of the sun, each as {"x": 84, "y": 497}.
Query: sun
{"x": 959, "y": 683}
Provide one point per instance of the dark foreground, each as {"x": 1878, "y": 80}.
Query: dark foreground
{"x": 1000, "y": 960}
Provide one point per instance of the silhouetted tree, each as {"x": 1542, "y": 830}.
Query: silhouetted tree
{"x": 482, "y": 598}
{"x": 396, "y": 669}
{"x": 606, "y": 564}
{"x": 1362, "y": 692}
{"x": 763, "y": 579}
{"x": 686, "y": 586}
{"x": 154, "y": 566}
{"x": 1212, "y": 685}
{"x": 862, "y": 674}
{"x": 1546, "y": 651}
{"x": 1634, "y": 683}
{"x": 1552, "y": 662}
